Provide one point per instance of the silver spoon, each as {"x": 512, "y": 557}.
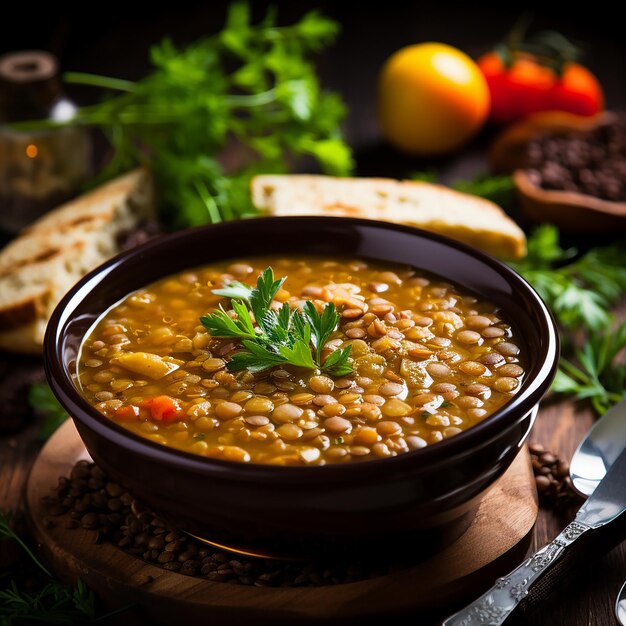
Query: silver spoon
{"x": 620, "y": 606}
{"x": 594, "y": 456}
{"x": 592, "y": 459}
{"x": 598, "y": 450}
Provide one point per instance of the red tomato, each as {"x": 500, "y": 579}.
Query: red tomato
{"x": 527, "y": 87}
{"x": 163, "y": 408}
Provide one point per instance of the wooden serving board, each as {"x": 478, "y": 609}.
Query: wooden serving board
{"x": 496, "y": 540}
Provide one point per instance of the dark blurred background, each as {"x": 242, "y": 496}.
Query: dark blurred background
{"x": 113, "y": 38}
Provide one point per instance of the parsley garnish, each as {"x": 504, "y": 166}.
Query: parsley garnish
{"x": 283, "y": 337}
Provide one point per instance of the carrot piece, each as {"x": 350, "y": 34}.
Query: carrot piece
{"x": 163, "y": 408}
{"x": 130, "y": 412}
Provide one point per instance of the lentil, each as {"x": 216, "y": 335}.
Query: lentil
{"x": 510, "y": 369}
{"x": 228, "y": 410}
{"x": 552, "y": 479}
{"x": 390, "y": 389}
{"x": 337, "y": 424}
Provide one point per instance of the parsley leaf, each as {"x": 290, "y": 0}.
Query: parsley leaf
{"x": 424, "y": 176}
{"x": 282, "y": 337}
{"x": 322, "y": 325}
{"x": 580, "y": 290}
{"x": 255, "y": 358}
{"x": 235, "y": 290}
{"x": 261, "y": 297}
{"x": 595, "y": 373}
{"x": 221, "y": 324}
{"x": 337, "y": 364}
{"x": 498, "y": 189}
{"x": 299, "y": 354}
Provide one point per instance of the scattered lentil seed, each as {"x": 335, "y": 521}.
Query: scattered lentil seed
{"x": 552, "y": 479}
{"x": 142, "y": 534}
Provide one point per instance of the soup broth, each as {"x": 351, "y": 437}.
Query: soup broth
{"x": 429, "y": 360}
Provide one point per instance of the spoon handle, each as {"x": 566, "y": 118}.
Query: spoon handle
{"x": 495, "y": 605}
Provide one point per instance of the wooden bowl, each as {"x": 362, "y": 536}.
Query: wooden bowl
{"x": 508, "y": 151}
{"x": 573, "y": 212}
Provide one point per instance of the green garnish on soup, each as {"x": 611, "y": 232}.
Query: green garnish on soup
{"x": 281, "y": 337}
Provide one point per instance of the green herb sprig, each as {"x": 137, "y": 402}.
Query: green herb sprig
{"x": 580, "y": 291}
{"x": 254, "y": 85}
{"x": 54, "y": 602}
{"x": 281, "y": 337}
{"x": 596, "y": 375}
{"x": 44, "y": 402}
{"x": 499, "y": 188}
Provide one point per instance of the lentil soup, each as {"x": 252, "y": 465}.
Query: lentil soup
{"x": 428, "y": 361}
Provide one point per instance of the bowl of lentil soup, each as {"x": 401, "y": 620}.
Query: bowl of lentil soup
{"x": 304, "y": 398}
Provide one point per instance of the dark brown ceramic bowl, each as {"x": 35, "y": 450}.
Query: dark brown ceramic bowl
{"x": 415, "y": 499}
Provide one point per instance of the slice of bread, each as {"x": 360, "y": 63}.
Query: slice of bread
{"x": 47, "y": 259}
{"x": 468, "y": 218}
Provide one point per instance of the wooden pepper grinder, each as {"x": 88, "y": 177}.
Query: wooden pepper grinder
{"x": 38, "y": 168}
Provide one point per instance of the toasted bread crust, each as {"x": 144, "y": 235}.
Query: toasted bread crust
{"x": 45, "y": 260}
{"x": 471, "y": 219}
{"x": 24, "y": 312}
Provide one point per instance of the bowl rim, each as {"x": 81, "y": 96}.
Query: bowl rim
{"x": 83, "y": 413}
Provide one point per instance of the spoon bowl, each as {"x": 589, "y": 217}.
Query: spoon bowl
{"x": 620, "y": 606}
{"x": 598, "y": 450}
